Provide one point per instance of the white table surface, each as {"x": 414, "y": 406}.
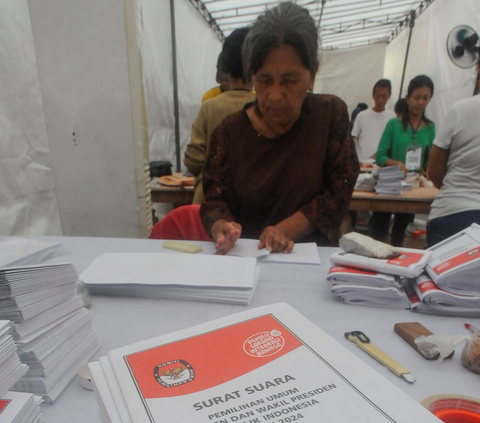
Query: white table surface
{"x": 122, "y": 321}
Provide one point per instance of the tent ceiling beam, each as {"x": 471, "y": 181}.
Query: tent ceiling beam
{"x": 201, "y": 8}
{"x": 356, "y": 19}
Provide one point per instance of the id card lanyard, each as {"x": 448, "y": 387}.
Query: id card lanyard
{"x": 414, "y": 152}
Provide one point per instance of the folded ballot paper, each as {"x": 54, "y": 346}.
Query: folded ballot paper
{"x": 362, "y": 287}
{"x": 455, "y": 262}
{"x": 371, "y": 296}
{"x": 11, "y": 368}
{"x": 426, "y": 297}
{"x": 351, "y": 276}
{"x": 276, "y": 366}
{"x": 23, "y": 251}
{"x": 17, "y": 407}
{"x": 175, "y": 276}
{"x": 409, "y": 264}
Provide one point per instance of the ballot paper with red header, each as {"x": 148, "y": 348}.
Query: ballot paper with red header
{"x": 352, "y": 276}
{"x": 438, "y": 301}
{"x": 18, "y": 407}
{"x": 410, "y": 263}
{"x": 265, "y": 364}
{"x": 455, "y": 262}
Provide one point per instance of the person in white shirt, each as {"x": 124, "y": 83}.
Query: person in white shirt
{"x": 369, "y": 124}
{"x": 454, "y": 169}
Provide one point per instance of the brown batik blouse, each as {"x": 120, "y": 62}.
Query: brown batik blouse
{"x": 258, "y": 181}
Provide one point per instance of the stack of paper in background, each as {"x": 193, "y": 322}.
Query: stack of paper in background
{"x": 174, "y": 276}
{"x": 15, "y": 407}
{"x": 53, "y": 332}
{"x": 361, "y": 280}
{"x": 389, "y": 180}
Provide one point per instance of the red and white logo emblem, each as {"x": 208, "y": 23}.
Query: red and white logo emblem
{"x": 173, "y": 373}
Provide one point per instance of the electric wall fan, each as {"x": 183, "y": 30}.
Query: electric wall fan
{"x": 463, "y": 47}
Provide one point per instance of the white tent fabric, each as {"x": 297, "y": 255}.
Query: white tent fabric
{"x": 428, "y": 54}
{"x": 28, "y": 203}
{"x": 351, "y": 73}
{"x": 197, "y": 52}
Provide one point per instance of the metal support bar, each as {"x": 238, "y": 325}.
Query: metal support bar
{"x": 411, "y": 24}
{"x": 175, "y": 85}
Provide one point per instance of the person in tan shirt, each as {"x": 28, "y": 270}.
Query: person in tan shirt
{"x": 214, "y": 110}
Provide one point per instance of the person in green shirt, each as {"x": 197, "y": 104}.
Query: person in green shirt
{"x": 405, "y": 142}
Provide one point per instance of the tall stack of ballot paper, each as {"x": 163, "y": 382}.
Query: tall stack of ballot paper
{"x": 360, "y": 280}
{"x": 52, "y": 331}
{"x": 276, "y": 366}
{"x": 388, "y": 180}
{"x": 175, "y": 276}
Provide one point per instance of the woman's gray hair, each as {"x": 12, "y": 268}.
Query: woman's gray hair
{"x": 285, "y": 24}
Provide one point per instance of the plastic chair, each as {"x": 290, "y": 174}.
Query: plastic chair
{"x": 182, "y": 223}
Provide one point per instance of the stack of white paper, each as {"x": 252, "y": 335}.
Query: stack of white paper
{"x": 16, "y": 407}
{"x": 175, "y": 276}
{"x": 248, "y": 367}
{"x": 11, "y": 369}
{"x": 21, "y": 251}
{"x": 26, "y": 291}
{"x": 362, "y": 287}
{"x": 54, "y": 334}
{"x": 389, "y": 180}
{"x": 428, "y": 298}
{"x": 409, "y": 264}
{"x": 455, "y": 262}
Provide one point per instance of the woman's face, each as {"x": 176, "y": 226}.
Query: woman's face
{"x": 281, "y": 85}
{"x": 418, "y": 101}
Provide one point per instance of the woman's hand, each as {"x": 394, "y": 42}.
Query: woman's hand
{"x": 391, "y": 162}
{"x": 275, "y": 240}
{"x": 225, "y": 234}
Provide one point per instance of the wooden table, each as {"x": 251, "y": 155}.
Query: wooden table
{"x": 417, "y": 201}
{"x": 178, "y": 196}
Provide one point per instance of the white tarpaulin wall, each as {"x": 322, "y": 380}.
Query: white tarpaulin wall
{"x": 87, "y": 104}
{"x": 351, "y": 73}
{"x": 28, "y": 204}
{"x": 428, "y": 54}
{"x": 197, "y": 52}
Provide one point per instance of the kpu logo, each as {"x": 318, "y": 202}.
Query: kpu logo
{"x": 173, "y": 373}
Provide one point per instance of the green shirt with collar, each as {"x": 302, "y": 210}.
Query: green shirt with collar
{"x": 395, "y": 141}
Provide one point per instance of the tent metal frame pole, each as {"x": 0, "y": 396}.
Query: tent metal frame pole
{"x": 175, "y": 86}
{"x": 411, "y": 24}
